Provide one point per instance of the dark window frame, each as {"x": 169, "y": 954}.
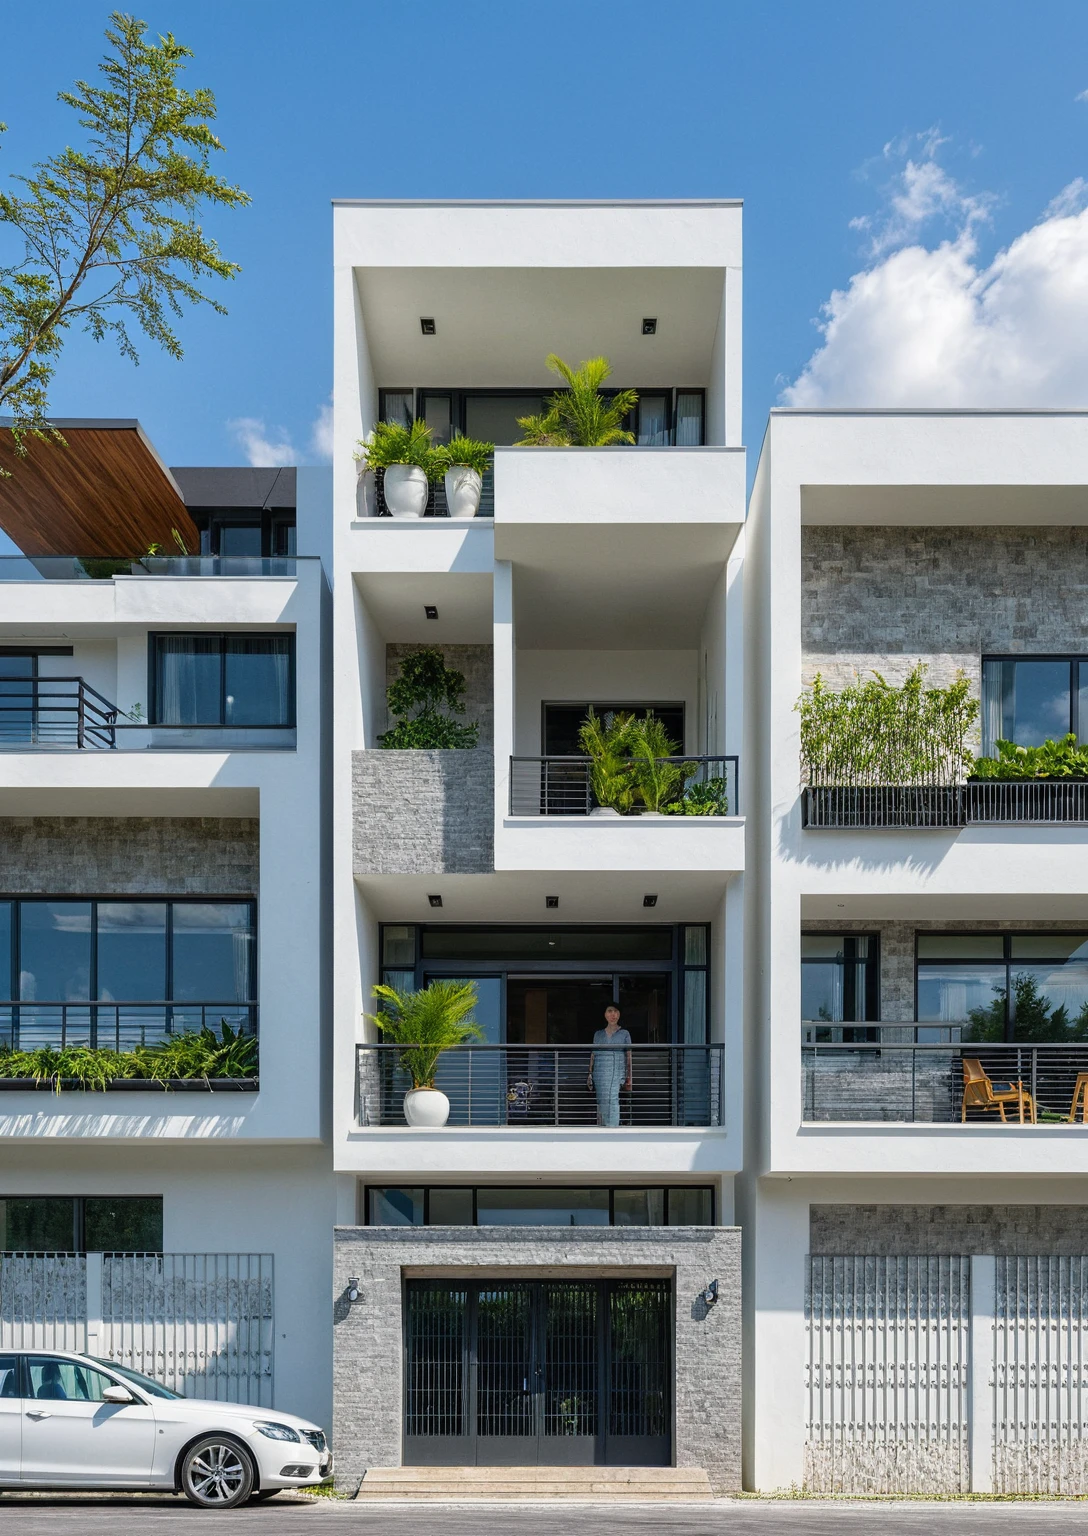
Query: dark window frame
{"x": 609, "y": 706}
{"x": 1074, "y": 659}
{"x": 210, "y": 522}
{"x": 154, "y": 703}
{"x": 872, "y": 1002}
{"x": 367, "y": 1189}
{"x": 458, "y": 397}
{"x": 1006, "y": 935}
{"x": 79, "y": 1218}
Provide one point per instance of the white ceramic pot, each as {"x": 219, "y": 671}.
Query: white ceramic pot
{"x": 604, "y": 810}
{"x": 463, "y": 487}
{"x": 426, "y": 1108}
{"x": 406, "y": 490}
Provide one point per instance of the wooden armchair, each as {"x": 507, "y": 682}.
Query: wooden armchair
{"x": 980, "y": 1093}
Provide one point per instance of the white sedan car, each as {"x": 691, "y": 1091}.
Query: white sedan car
{"x": 67, "y": 1421}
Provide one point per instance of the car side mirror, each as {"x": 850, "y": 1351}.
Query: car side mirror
{"x": 117, "y": 1395}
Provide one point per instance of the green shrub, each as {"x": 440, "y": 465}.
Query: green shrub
{"x": 710, "y": 798}
{"x": 625, "y": 763}
{"x": 1052, "y": 759}
{"x": 871, "y": 733}
{"x": 580, "y": 416}
{"x": 192, "y": 1054}
{"x": 421, "y": 702}
{"x": 393, "y": 442}
{"x": 467, "y": 451}
{"x": 426, "y": 1023}
{"x": 608, "y": 747}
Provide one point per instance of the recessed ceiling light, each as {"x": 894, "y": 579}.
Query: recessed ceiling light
{"x": 649, "y": 901}
{"x": 435, "y": 901}
{"x": 430, "y": 610}
{"x": 649, "y": 326}
{"x": 551, "y": 901}
{"x": 427, "y": 326}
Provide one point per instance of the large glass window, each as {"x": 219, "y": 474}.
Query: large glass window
{"x": 1011, "y": 986}
{"x": 840, "y": 978}
{"x": 81, "y": 1224}
{"x": 596, "y": 1206}
{"x": 1032, "y": 699}
{"x": 239, "y": 680}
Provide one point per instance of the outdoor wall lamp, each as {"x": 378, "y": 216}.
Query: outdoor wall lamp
{"x": 427, "y": 325}
{"x": 710, "y": 1295}
{"x": 353, "y": 1289}
{"x": 649, "y": 325}
{"x": 430, "y": 610}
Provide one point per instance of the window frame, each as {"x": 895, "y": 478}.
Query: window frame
{"x": 1006, "y": 935}
{"x": 366, "y": 1189}
{"x": 222, "y": 636}
{"x": 458, "y": 397}
{"x": 79, "y": 1217}
{"x": 850, "y": 1031}
{"x": 1075, "y": 660}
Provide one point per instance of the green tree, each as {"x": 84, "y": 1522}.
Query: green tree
{"x": 580, "y": 416}
{"x": 422, "y": 700}
{"x": 110, "y": 232}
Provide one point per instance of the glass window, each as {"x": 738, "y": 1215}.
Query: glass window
{"x": 695, "y": 945}
{"x": 123, "y": 1224}
{"x": 397, "y": 405}
{"x": 257, "y": 679}
{"x": 839, "y": 977}
{"x": 59, "y": 1380}
{"x": 1027, "y": 701}
{"x": 1049, "y": 946}
{"x": 949, "y": 994}
{"x": 240, "y": 539}
{"x": 496, "y": 944}
{"x": 132, "y": 951}
{"x": 689, "y": 418}
{"x": 54, "y": 951}
{"x": 961, "y": 946}
{"x": 240, "y": 680}
{"x": 398, "y": 946}
{"x": 5, "y": 949}
{"x": 690, "y": 1207}
{"x": 653, "y": 421}
{"x": 450, "y": 1207}
{"x": 188, "y": 680}
{"x": 437, "y": 412}
{"x": 638, "y": 1208}
{"x": 34, "y": 1225}
{"x": 145, "y": 1383}
{"x": 695, "y": 1008}
{"x": 542, "y": 1207}
{"x": 494, "y": 418}
{"x": 1037, "y": 990}
{"x": 214, "y": 947}
{"x": 395, "y": 1207}
{"x": 9, "y": 1376}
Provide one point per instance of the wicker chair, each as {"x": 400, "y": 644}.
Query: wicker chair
{"x": 980, "y": 1093}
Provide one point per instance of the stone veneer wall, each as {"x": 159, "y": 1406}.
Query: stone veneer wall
{"x": 1004, "y": 1230}
{"x": 882, "y": 598}
{"x": 423, "y": 813}
{"x": 129, "y": 855}
{"x": 476, "y": 662}
{"x": 368, "y": 1342}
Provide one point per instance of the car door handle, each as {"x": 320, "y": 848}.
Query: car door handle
{"x": 39, "y": 1413}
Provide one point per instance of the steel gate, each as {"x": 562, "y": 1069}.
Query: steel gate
{"x": 560, "y": 1373}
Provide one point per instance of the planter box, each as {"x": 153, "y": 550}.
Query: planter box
{"x": 134, "y": 1085}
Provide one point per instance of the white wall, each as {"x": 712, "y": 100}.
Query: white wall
{"x": 603, "y": 677}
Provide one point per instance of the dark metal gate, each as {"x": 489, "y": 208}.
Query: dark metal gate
{"x": 556, "y": 1372}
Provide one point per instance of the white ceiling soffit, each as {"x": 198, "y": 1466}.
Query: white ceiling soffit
{"x": 932, "y": 506}
{"x": 397, "y": 600}
{"x": 494, "y": 326}
{"x": 605, "y": 897}
{"x": 1039, "y": 906}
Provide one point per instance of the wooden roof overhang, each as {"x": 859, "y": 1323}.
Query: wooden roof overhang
{"x": 106, "y": 493}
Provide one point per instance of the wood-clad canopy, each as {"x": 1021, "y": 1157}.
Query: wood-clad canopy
{"x": 106, "y": 493}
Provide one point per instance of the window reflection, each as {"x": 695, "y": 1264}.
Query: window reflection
{"x": 1031, "y": 987}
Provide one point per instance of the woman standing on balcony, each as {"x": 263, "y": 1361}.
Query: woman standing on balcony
{"x": 609, "y": 1071}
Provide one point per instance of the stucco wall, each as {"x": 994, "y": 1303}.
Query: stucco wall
{"x": 881, "y": 598}
{"x": 129, "y": 855}
{"x": 423, "y": 813}
{"x": 934, "y": 1229}
{"x": 368, "y": 1335}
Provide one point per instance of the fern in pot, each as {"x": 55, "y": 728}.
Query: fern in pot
{"x": 408, "y": 461}
{"x": 424, "y": 1024}
{"x": 466, "y": 461}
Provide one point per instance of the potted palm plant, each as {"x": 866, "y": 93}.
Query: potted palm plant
{"x": 408, "y": 461}
{"x": 424, "y": 1024}
{"x": 580, "y": 416}
{"x": 466, "y": 460}
{"x": 607, "y": 744}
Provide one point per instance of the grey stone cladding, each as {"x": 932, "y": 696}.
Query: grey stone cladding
{"x": 368, "y": 1343}
{"x": 1004, "y": 1230}
{"x": 476, "y": 662}
{"x": 129, "y": 855}
{"x": 423, "y": 813}
{"x": 882, "y": 598}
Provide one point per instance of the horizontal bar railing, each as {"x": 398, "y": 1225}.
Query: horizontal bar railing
{"x": 546, "y": 1085}
{"x": 561, "y": 786}
{"x": 61, "y": 714}
{"x": 115, "y": 1026}
{"x": 981, "y": 802}
{"x": 913, "y": 1073}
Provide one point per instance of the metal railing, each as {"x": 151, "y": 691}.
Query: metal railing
{"x": 1038, "y": 802}
{"x": 561, "y": 786}
{"x": 28, "y": 1026}
{"x": 436, "y": 497}
{"x": 96, "y": 568}
{"x": 901, "y": 1074}
{"x": 542, "y": 1085}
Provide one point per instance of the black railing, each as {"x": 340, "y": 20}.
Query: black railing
{"x": 562, "y": 786}
{"x": 546, "y": 1085}
{"x": 28, "y": 1026}
{"x": 436, "y": 497}
{"x": 901, "y": 1074}
{"x": 1039, "y": 802}
{"x": 54, "y": 712}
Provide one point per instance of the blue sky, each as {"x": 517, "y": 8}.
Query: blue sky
{"x": 907, "y": 158}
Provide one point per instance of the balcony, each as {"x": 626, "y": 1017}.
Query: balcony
{"x": 561, "y": 786}
{"x": 895, "y": 1077}
{"x": 529, "y": 1086}
{"x": 944, "y": 807}
{"x": 74, "y": 568}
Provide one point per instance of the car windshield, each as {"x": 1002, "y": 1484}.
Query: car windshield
{"x": 152, "y": 1388}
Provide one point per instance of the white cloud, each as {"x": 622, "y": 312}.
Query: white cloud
{"x": 1081, "y": 96}
{"x": 916, "y": 193}
{"x": 935, "y": 324}
{"x": 266, "y": 447}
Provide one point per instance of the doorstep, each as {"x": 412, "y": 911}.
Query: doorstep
{"x": 455, "y": 1484}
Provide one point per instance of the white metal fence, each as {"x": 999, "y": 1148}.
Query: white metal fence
{"x": 201, "y": 1323}
{"x": 887, "y": 1374}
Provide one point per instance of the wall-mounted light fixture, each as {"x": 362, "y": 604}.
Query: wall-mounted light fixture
{"x": 551, "y": 901}
{"x": 649, "y": 901}
{"x": 427, "y": 325}
{"x": 649, "y": 325}
{"x": 435, "y": 901}
{"x": 353, "y": 1289}
{"x": 430, "y": 610}
{"x": 710, "y": 1295}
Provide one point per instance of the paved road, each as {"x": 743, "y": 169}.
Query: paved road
{"x": 150, "y": 1516}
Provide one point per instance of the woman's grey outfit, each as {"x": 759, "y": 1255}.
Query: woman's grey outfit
{"x": 609, "y": 1072}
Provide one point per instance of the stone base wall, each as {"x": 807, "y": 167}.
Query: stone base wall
{"x": 368, "y": 1343}
{"x": 424, "y": 813}
{"x": 129, "y": 855}
{"x": 1004, "y": 1230}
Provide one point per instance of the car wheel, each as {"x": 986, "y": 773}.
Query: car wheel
{"x": 216, "y": 1473}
